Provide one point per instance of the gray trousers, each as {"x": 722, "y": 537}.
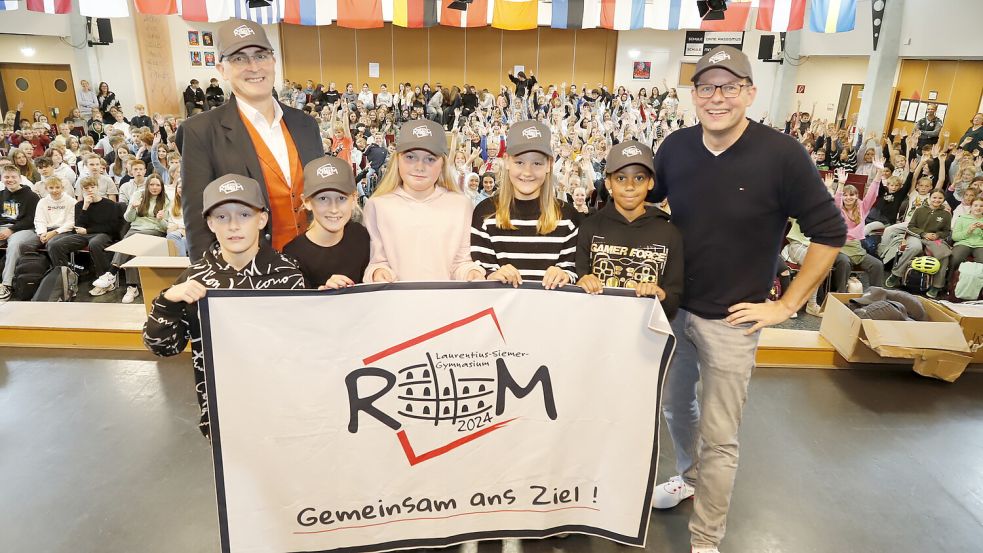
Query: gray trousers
{"x": 704, "y": 429}
{"x": 961, "y": 254}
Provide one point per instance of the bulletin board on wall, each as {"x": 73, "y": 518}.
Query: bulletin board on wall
{"x": 911, "y": 110}
{"x": 686, "y": 71}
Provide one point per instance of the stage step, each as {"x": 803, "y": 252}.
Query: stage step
{"x": 107, "y": 326}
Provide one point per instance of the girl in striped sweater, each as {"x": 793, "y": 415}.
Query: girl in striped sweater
{"x": 524, "y": 232}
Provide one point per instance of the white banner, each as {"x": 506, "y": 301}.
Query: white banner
{"x": 410, "y": 415}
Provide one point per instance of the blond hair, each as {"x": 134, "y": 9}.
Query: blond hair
{"x": 549, "y": 206}
{"x": 392, "y": 180}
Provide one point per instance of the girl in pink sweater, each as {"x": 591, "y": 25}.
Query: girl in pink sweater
{"x": 853, "y": 254}
{"x": 418, "y": 222}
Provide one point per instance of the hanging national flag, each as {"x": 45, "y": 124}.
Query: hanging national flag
{"x": 673, "y": 15}
{"x": 104, "y": 8}
{"x": 576, "y": 14}
{"x": 735, "y": 18}
{"x": 622, "y": 15}
{"x": 268, "y": 14}
{"x": 516, "y": 15}
{"x": 360, "y": 14}
{"x": 309, "y": 12}
{"x": 475, "y": 16}
{"x": 832, "y": 16}
{"x": 155, "y": 7}
{"x": 205, "y": 10}
{"x": 49, "y": 6}
{"x": 415, "y": 13}
{"x": 779, "y": 16}
{"x": 9, "y": 5}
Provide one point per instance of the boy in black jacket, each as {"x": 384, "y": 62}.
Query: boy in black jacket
{"x": 629, "y": 245}
{"x": 97, "y": 223}
{"x": 236, "y": 212}
{"x": 18, "y": 203}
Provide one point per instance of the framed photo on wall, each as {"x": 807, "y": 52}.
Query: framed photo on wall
{"x": 642, "y": 70}
{"x": 193, "y": 39}
{"x": 210, "y": 59}
{"x": 195, "y": 56}
{"x": 207, "y": 39}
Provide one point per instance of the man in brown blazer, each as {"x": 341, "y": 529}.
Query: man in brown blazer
{"x": 252, "y": 135}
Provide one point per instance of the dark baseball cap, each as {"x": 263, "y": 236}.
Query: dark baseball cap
{"x": 724, "y": 57}
{"x": 232, "y": 188}
{"x": 627, "y": 153}
{"x": 236, "y": 34}
{"x": 529, "y": 136}
{"x": 422, "y": 134}
{"x": 328, "y": 173}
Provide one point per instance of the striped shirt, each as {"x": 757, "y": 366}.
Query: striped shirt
{"x": 530, "y": 253}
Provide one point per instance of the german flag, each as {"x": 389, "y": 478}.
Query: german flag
{"x": 415, "y": 14}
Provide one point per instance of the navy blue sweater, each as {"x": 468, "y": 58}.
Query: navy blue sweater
{"x": 732, "y": 210}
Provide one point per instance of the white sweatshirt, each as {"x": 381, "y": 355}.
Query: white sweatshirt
{"x": 55, "y": 214}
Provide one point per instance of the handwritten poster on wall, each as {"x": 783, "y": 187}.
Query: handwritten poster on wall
{"x": 154, "y": 41}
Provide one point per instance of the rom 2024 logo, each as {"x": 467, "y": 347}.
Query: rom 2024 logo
{"x": 469, "y": 392}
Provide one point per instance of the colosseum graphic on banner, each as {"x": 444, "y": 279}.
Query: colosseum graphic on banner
{"x": 394, "y": 416}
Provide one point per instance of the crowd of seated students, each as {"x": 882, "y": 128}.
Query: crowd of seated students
{"x": 918, "y": 186}
{"x": 85, "y": 183}
{"x": 585, "y": 122}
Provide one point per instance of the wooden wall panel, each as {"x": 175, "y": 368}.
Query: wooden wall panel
{"x": 375, "y": 46}
{"x": 410, "y": 58}
{"x": 519, "y": 48}
{"x": 337, "y": 54}
{"x": 939, "y": 77}
{"x": 484, "y": 58}
{"x": 156, "y": 64}
{"x": 556, "y": 52}
{"x": 958, "y": 83}
{"x": 481, "y": 56}
{"x": 447, "y": 55}
{"x": 591, "y": 61}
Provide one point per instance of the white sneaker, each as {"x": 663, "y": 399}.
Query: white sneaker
{"x": 4, "y": 292}
{"x": 671, "y": 493}
{"x": 107, "y": 281}
{"x": 814, "y": 309}
{"x": 705, "y": 550}
{"x": 131, "y": 294}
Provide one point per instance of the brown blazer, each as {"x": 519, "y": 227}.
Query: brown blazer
{"x": 215, "y": 143}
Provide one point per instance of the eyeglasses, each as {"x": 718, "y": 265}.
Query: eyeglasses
{"x": 240, "y": 59}
{"x": 729, "y": 90}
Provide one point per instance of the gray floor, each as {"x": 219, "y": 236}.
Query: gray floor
{"x": 100, "y": 453}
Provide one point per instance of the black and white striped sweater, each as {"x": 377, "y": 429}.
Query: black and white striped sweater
{"x": 523, "y": 248}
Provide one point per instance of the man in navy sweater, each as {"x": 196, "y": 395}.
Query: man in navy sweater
{"x": 732, "y": 184}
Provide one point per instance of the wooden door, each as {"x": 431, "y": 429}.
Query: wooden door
{"x": 856, "y": 98}
{"x": 47, "y": 88}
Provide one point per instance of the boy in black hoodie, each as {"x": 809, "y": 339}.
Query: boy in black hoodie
{"x": 235, "y": 212}
{"x": 18, "y": 203}
{"x": 629, "y": 245}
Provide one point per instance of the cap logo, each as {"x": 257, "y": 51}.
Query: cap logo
{"x": 421, "y": 131}
{"x": 719, "y": 57}
{"x": 532, "y": 132}
{"x": 242, "y": 31}
{"x": 228, "y": 187}
{"x": 326, "y": 170}
{"x": 631, "y": 151}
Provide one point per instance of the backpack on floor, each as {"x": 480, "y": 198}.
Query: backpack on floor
{"x": 30, "y": 269}
{"x": 60, "y": 284}
{"x": 916, "y": 282}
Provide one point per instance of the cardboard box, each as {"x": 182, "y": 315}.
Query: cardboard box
{"x": 936, "y": 347}
{"x": 145, "y": 244}
{"x": 970, "y": 319}
{"x": 156, "y": 274}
